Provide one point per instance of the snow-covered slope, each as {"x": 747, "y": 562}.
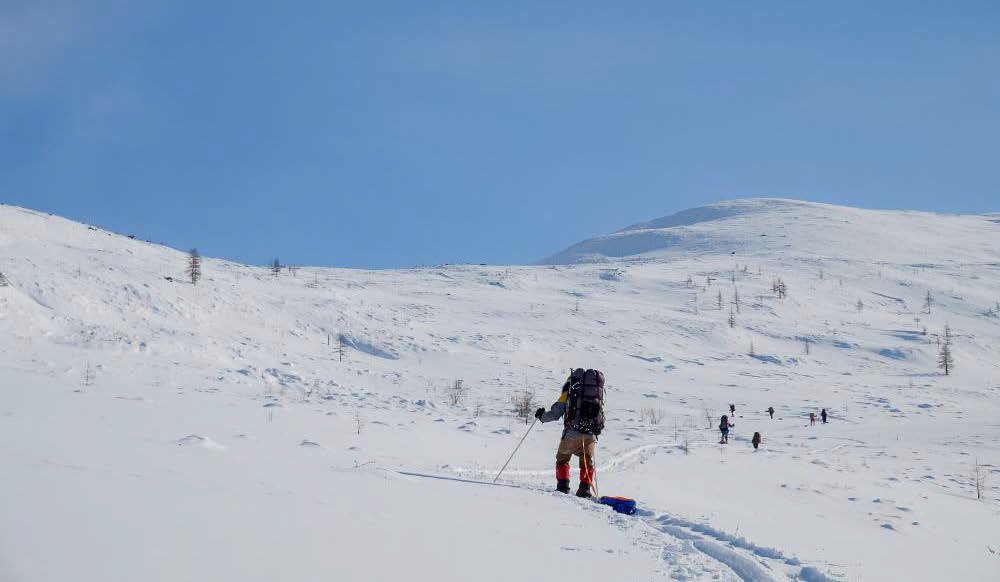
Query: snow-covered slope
{"x": 764, "y": 227}
{"x": 151, "y": 429}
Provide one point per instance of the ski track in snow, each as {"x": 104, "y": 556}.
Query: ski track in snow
{"x": 614, "y": 463}
{"x": 747, "y": 560}
{"x": 742, "y": 566}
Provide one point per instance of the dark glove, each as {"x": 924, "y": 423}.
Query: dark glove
{"x": 539, "y": 413}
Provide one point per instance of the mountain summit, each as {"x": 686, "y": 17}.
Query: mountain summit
{"x": 768, "y": 226}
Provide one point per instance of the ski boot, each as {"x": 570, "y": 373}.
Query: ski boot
{"x": 584, "y": 490}
{"x": 562, "y": 486}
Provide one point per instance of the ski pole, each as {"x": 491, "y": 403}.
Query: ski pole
{"x": 515, "y": 450}
{"x": 586, "y": 467}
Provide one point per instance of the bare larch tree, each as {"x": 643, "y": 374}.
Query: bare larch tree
{"x": 946, "y": 361}
{"x": 194, "y": 266}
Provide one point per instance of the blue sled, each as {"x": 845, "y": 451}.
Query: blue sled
{"x": 620, "y": 504}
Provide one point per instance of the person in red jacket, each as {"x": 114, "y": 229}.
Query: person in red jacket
{"x": 581, "y": 404}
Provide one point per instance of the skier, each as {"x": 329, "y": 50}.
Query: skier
{"x": 732, "y": 409}
{"x": 724, "y": 426}
{"x": 755, "y": 441}
{"x": 770, "y": 410}
{"x": 822, "y": 415}
{"x": 582, "y": 403}
{"x": 812, "y": 419}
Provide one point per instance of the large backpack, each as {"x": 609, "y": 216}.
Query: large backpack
{"x": 585, "y": 410}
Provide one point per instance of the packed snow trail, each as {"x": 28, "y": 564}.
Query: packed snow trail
{"x": 748, "y": 561}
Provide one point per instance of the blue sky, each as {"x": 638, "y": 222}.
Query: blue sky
{"x": 394, "y": 134}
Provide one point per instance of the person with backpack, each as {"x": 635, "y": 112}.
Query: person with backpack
{"x": 724, "y": 426}
{"x": 812, "y": 419}
{"x": 755, "y": 441}
{"x": 732, "y": 409}
{"x": 581, "y": 405}
{"x": 822, "y": 415}
{"x": 770, "y": 410}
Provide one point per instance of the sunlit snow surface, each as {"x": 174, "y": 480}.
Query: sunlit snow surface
{"x": 155, "y": 430}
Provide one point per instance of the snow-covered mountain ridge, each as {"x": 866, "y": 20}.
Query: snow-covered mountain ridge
{"x": 304, "y": 425}
{"x": 761, "y": 227}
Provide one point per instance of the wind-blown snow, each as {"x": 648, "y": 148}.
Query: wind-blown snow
{"x": 155, "y": 430}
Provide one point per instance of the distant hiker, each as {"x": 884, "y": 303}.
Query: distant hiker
{"x": 724, "y": 426}
{"x": 770, "y": 410}
{"x": 755, "y": 441}
{"x": 812, "y": 418}
{"x": 822, "y": 415}
{"x": 582, "y": 403}
{"x": 732, "y": 409}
